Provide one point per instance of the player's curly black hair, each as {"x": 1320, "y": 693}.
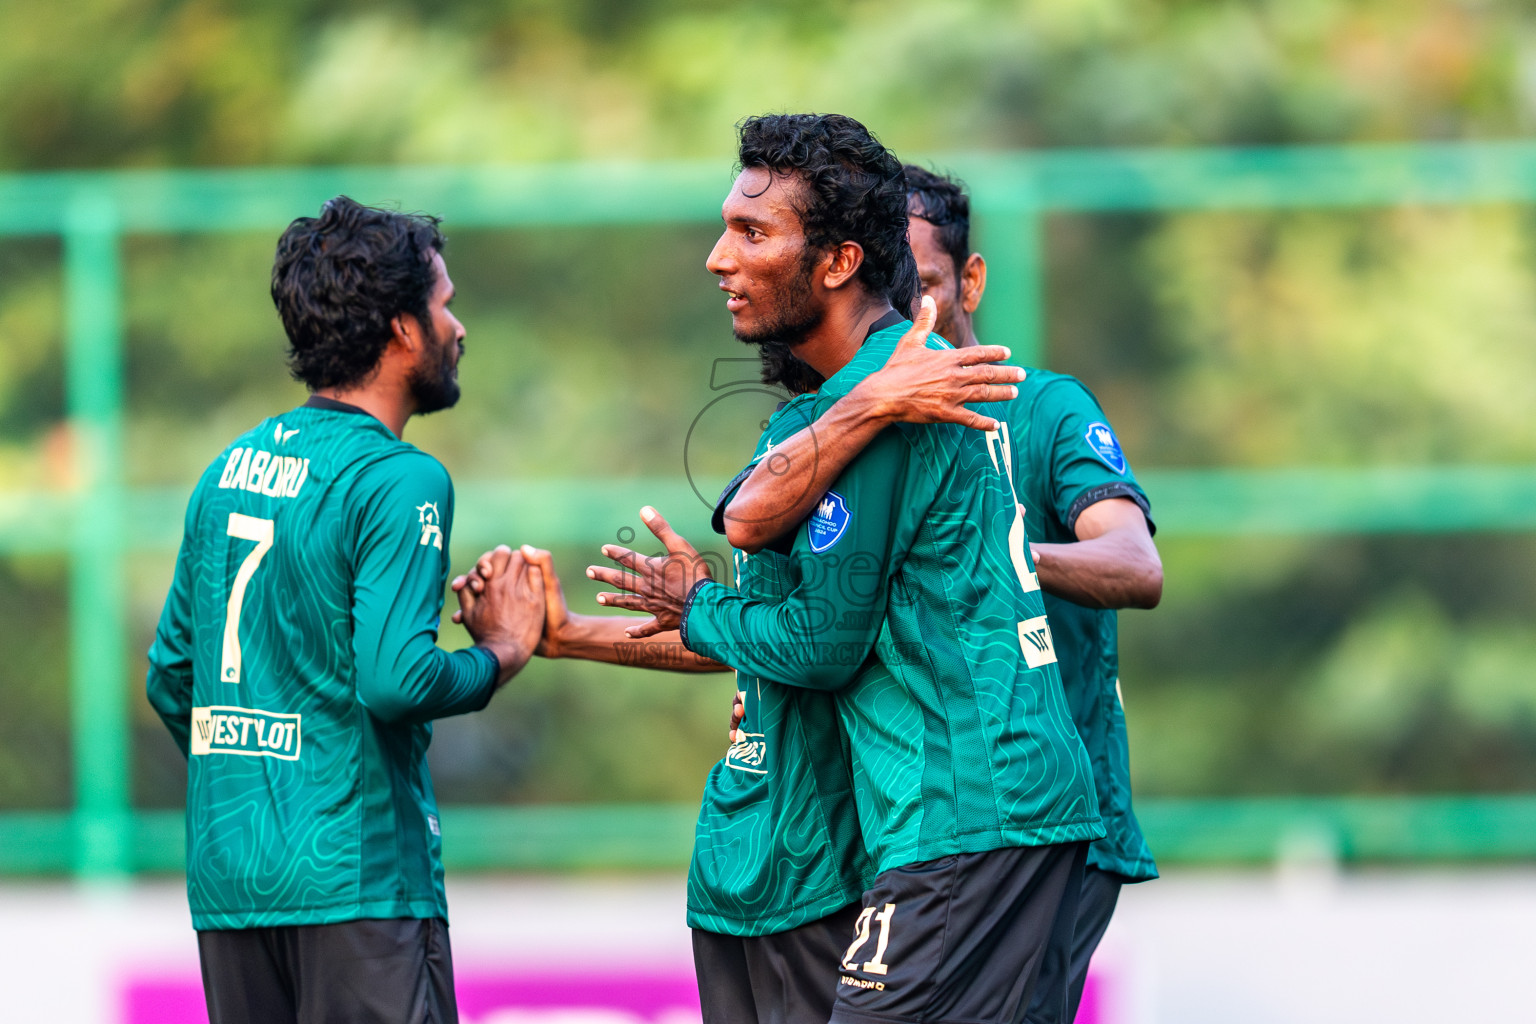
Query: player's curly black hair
{"x": 853, "y": 189}
{"x": 340, "y": 278}
{"x": 942, "y": 201}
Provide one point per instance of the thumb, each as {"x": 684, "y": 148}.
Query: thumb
{"x": 922, "y": 325}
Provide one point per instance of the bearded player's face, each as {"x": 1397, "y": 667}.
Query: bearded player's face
{"x": 936, "y": 270}
{"x": 761, "y": 261}
{"x": 434, "y": 381}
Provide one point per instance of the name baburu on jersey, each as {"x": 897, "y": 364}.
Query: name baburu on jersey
{"x": 262, "y": 472}
{"x": 224, "y": 729}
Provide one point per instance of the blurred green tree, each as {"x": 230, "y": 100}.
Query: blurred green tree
{"x": 1274, "y": 665}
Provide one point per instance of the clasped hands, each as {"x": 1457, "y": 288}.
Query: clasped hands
{"x": 657, "y": 584}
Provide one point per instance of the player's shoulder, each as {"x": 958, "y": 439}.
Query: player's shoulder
{"x": 788, "y": 419}
{"x": 1052, "y": 388}
{"x": 401, "y": 465}
{"x": 871, "y": 356}
{"x": 1046, "y": 397}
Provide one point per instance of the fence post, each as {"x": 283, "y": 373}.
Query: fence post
{"x": 1012, "y": 311}
{"x": 97, "y": 594}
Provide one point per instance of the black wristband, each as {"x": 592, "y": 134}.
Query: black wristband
{"x": 682, "y": 626}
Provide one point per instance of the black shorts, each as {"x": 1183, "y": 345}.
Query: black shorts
{"x": 961, "y": 938}
{"x": 1095, "y": 906}
{"x": 397, "y": 971}
{"x": 786, "y": 978}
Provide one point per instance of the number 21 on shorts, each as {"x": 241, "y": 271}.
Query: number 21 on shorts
{"x": 861, "y": 930}
{"x": 260, "y": 531}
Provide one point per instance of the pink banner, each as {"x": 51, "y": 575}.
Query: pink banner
{"x": 586, "y": 997}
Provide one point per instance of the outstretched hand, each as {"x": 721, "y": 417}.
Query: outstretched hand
{"x": 659, "y": 585}
{"x": 926, "y": 385}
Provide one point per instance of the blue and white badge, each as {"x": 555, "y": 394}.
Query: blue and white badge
{"x": 1106, "y": 446}
{"x": 827, "y": 524}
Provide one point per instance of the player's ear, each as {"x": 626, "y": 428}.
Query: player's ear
{"x": 405, "y": 331}
{"x": 973, "y": 281}
{"x": 846, "y": 260}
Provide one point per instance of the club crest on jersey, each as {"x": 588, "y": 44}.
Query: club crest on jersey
{"x": 828, "y": 522}
{"x": 431, "y": 525}
{"x": 1106, "y": 446}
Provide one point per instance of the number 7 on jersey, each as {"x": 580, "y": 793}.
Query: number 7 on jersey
{"x": 260, "y": 531}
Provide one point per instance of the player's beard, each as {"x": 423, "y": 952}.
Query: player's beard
{"x": 434, "y": 382}
{"x": 793, "y": 316}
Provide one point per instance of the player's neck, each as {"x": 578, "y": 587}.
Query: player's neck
{"x": 391, "y": 406}
{"x": 965, "y": 334}
{"x": 832, "y": 343}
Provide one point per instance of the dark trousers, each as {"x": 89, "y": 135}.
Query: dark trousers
{"x": 397, "y": 971}
{"x": 1095, "y": 906}
{"x": 786, "y": 978}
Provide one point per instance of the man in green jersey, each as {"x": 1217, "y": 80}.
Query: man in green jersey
{"x": 913, "y": 600}
{"x": 778, "y": 863}
{"x": 296, "y": 662}
{"x": 1086, "y": 517}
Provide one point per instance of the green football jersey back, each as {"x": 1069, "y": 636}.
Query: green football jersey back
{"x": 1071, "y": 460}
{"x": 778, "y": 842}
{"x": 296, "y": 665}
{"x": 918, "y": 605}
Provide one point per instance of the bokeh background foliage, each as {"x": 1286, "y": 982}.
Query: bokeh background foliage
{"x": 1404, "y": 336}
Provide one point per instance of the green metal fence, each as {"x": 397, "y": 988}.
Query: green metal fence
{"x": 97, "y": 524}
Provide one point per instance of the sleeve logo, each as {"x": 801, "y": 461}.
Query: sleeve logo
{"x": 827, "y": 524}
{"x": 1106, "y": 446}
{"x": 431, "y": 525}
{"x": 250, "y": 733}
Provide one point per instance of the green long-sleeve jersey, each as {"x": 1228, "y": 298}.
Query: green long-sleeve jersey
{"x": 917, "y": 604}
{"x": 296, "y": 665}
{"x": 777, "y": 843}
{"x": 1070, "y": 460}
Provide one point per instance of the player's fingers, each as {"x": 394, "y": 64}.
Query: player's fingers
{"x": 922, "y": 325}
{"x": 663, "y": 530}
{"x": 496, "y": 560}
{"x": 458, "y": 583}
{"x": 979, "y": 393}
{"x": 645, "y": 629}
{"x": 977, "y": 354}
{"x": 624, "y": 556}
{"x": 976, "y": 421}
{"x": 634, "y": 602}
{"x": 989, "y": 373}
{"x": 458, "y": 616}
{"x": 539, "y": 557}
{"x": 554, "y": 594}
{"x": 615, "y": 577}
